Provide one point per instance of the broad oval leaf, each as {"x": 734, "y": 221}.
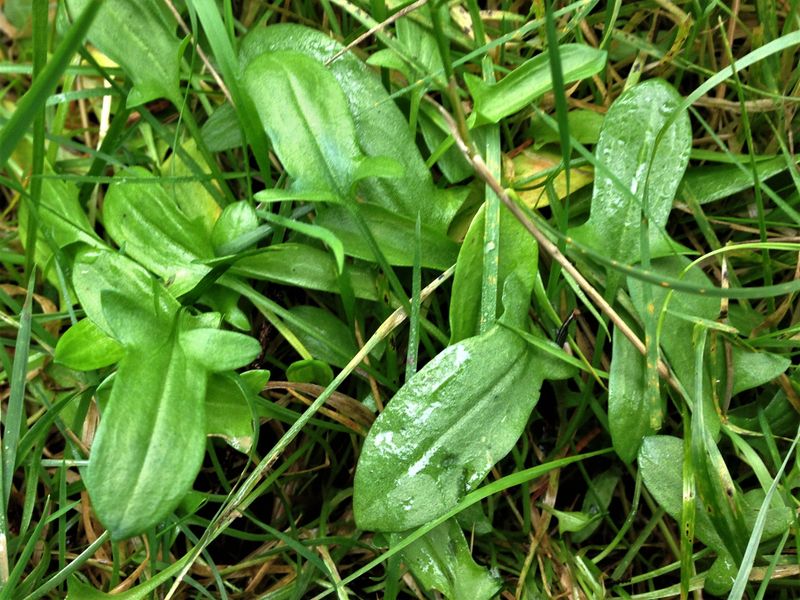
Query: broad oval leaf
{"x": 531, "y": 80}
{"x": 146, "y": 220}
{"x": 381, "y": 129}
{"x": 97, "y": 270}
{"x": 85, "y": 347}
{"x": 228, "y": 413}
{"x": 306, "y": 116}
{"x": 236, "y": 220}
{"x": 219, "y": 350}
{"x": 626, "y": 156}
{"x": 444, "y": 430}
{"x": 138, "y": 35}
{"x": 151, "y": 440}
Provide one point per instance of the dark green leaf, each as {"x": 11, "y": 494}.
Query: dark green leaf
{"x": 310, "y": 371}
{"x": 228, "y": 414}
{"x": 714, "y": 182}
{"x": 518, "y": 255}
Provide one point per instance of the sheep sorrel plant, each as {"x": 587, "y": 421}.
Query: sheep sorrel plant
{"x": 379, "y": 300}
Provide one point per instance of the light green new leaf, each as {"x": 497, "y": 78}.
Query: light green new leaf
{"x": 150, "y": 443}
{"x": 444, "y": 430}
{"x": 381, "y": 129}
{"x": 531, "y": 80}
{"x": 237, "y": 219}
{"x": 138, "y": 35}
{"x": 628, "y": 407}
{"x": 217, "y": 350}
{"x": 306, "y": 116}
{"x": 625, "y": 159}
{"x": 146, "y": 220}
{"x": 518, "y": 255}
{"x": 441, "y": 561}
{"x": 84, "y": 347}
{"x": 96, "y": 271}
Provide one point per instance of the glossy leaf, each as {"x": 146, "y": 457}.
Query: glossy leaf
{"x": 151, "y": 440}
{"x": 305, "y": 266}
{"x": 628, "y": 408}
{"x": 145, "y": 218}
{"x": 381, "y": 129}
{"x": 138, "y": 35}
{"x": 339, "y": 345}
{"x": 444, "y": 429}
{"x": 626, "y": 158}
{"x": 531, "y": 80}
{"x": 84, "y": 347}
{"x": 441, "y": 561}
{"x": 518, "y": 255}
{"x": 305, "y": 114}
{"x": 228, "y": 413}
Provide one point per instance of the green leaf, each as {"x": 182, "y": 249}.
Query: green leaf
{"x": 97, "y": 270}
{"x": 139, "y": 35}
{"x": 151, "y": 440}
{"x": 661, "y": 466}
{"x": 381, "y": 129}
{"x": 84, "y": 347}
{"x": 598, "y": 497}
{"x": 628, "y": 408}
{"x": 676, "y": 332}
{"x": 444, "y": 430}
{"x": 312, "y": 231}
{"x": 228, "y": 413}
{"x": 310, "y": 371}
{"x": 571, "y": 521}
{"x": 629, "y": 164}
{"x": 307, "y": 267}
{"x": 518, "y": 255}
{"x": 306, "y": 116}
{"x": 531, "y": 80}
{"x": 714, "y": 182}
{"x": 62, "y": 219}
{"x": 394, "y": 234}
{"x": 339, "y": 345}
{"x": 584, "y": 126}
{"x": 217, "y": 350}
{"x": 752, "y": 369}
{"x": 147, "y": 221}
{"x": 441, "y": 561}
